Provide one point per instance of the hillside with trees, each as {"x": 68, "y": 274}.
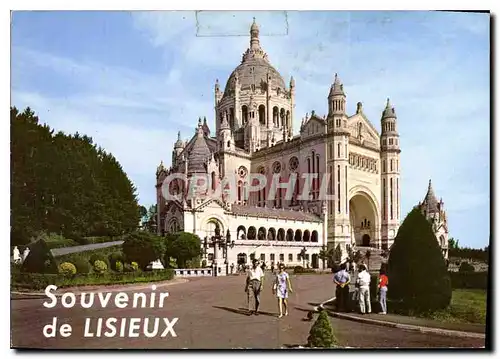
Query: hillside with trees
{"x": 65, "y": 184}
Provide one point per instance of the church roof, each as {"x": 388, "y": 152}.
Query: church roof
{"x": 430, "y": 201}
{"x": 274, "y": 213}
{"x": 198, "y": 153}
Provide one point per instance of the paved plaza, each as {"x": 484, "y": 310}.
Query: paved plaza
{"x": 212, "y": 315}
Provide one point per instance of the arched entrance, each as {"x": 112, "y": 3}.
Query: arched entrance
{"x": 364, "y": 220}
{"x": 365, "y": 240}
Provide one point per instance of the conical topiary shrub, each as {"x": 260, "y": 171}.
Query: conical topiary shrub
{"x": 321, "y": 333}
{"x": 418, "y": 277}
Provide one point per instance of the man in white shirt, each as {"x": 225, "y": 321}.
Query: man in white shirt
{"x": 253, "y": 286}
{"x": 363, "y": 283}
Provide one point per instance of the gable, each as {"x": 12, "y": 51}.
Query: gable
{"x": 359, "y": 125}
{"x": 313, "y": 126}
{"x": 213, "y": 204}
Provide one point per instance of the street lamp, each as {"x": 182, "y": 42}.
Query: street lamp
{"x": 220, "y": 242}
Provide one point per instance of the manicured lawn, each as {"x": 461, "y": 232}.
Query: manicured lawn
{"x": 467, "y": 306}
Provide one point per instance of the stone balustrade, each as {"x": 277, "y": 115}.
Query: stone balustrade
{"x": 194, "y": 272}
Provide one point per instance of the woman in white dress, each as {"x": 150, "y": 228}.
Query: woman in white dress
{"x": 281, "y": 288}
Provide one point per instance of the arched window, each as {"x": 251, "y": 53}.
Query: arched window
{"x": 276, "y": 120}
{"x": 383, "y": 166}
{"x": 338, "y": 149}
{"x": 338, "y": 187}
{"x": 392, "y": 162}
{"x": 244, "y": 113}
{"x": 282, "y": 117}
{"x": 214, "y": 184}
{"x": 231, "y": 117}
{"x": 392, "y": 209}
{"x": 240, "y": 191}
{"x": 287, "y": 124}
{"x": 262, "y": 114}
{"x": 384, "y": 199}
{"x": 298, "y": 235}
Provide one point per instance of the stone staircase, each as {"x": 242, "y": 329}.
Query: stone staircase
{"x": 376, "y": 258}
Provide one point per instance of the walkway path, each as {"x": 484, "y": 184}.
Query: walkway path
{"x": 56, "y": 252}
{"x": 212, "y": 314}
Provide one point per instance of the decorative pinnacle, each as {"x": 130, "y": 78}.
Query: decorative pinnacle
{"x": 388, "y": 105}
{"x": 179, "y": 136}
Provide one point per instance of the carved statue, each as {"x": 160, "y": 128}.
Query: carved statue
{"x": 16, "y": 255}
{"x": 26, "y": 253}
{"x": 217, "y": 229}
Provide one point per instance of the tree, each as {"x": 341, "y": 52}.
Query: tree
{"x": 65, "y": 184}
{"x": 183, "y": 246}
{"x": 143, "y": 248}
{"x": 324, "y": 255}
{"x": 321, "y": 333}
{"x": 452, "y": 243}
{"x": 302, "y": 255}
{"x": 417, "y": 271}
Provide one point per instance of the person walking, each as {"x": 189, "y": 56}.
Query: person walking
{"x": 281, "y": 288}
{"x": 254, "y": 285}
{"x": 382, "y": 285}
{"x": 342, "y": 280}
{"x": 272, "y": 267}
{"x": 363, "y": 282}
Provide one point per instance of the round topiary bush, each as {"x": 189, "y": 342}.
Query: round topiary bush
{"x": 321, "y": 333}
{"x": 418, "y": 277}
{"x": 135, "y": 266}
{"x": 143, "y": 247}
{"x": 98, "y": 257}
{"x": 466, "y": 267}
{"x": 100, "y": 267}
{"x": 67, "y": 269}
{"x": 118, "y": 266}
{"x": 82, "y": 266}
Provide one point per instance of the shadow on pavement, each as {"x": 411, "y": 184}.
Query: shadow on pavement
{"x": 244, "y": 311}
{"x": 262, "y": 313}
{"x": 240, "y": 311}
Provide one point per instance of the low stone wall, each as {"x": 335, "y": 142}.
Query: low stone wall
{"x": 194, "y": 272}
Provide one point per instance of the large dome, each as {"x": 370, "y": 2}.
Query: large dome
{"x": 254, "y": 71}
{"x": 254, "y": 68}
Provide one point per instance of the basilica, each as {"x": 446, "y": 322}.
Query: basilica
{"x": 254, "y": 133}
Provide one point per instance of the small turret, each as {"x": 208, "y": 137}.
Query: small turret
{"x": 206, "y": 129}
{"x": 389, "y": 135}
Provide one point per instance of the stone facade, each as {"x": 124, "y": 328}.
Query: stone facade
{"x": 254, "y": 134}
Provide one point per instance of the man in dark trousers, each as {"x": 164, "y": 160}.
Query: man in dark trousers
{"x": 342, "y": 280}
{"x": 253, "y": 286}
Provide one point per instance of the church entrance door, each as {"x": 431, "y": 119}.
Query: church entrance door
{"x": 366, "y": 240}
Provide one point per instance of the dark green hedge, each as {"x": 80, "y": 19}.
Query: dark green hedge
{"x": 302, "y": 270}
{"x": 37, "y": 281}
{"x": 469, "y": 280}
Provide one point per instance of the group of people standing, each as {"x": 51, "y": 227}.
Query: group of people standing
{"x": 342, "y": 279}
{"x": 255, "y": 283}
